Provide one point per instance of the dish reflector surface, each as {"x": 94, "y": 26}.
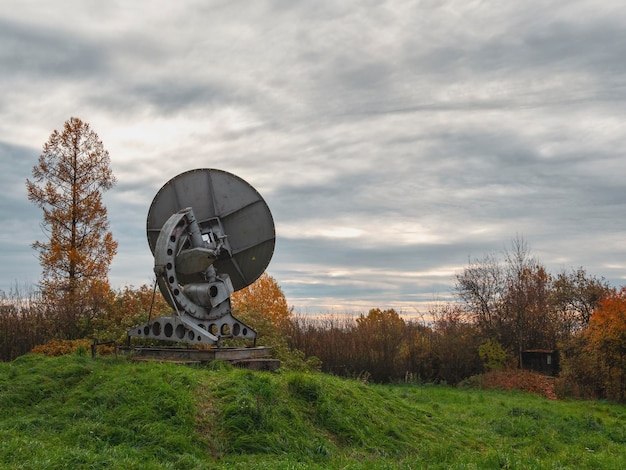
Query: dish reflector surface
{"x": 245, "y": 217}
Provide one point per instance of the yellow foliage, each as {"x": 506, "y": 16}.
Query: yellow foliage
{"x": 63, "y": 347}
{"x": 263, "y": 300}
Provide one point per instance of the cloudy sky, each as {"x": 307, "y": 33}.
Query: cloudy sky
{"x": 392, "y": 140}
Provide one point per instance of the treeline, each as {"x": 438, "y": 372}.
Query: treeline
{"x": 383, "y": 347}
{"x": 24, "y": 323}
{"x": 505, "y": 305}
{"x": 27, "y": 319}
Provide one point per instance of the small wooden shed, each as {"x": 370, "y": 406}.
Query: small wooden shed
{"x": 545, "y": 361}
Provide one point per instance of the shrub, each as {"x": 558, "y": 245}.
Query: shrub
{"x": 76, "y": 346}
{"x": 492, "y": 354}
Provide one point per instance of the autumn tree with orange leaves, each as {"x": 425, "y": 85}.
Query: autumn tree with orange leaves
{"x": 593, "y": 362}
{"x": 67, "y": 184}
{"x": 128, "y": 307}
{"x": 263, "y": 305}
{"x": 606, "y": 339}
{"x": 379, "y": 343}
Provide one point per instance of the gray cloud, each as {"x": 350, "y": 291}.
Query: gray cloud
{"x": 20, "y": 224}
{"x": 392, "y": 141}
{"x": 47, "y": 54}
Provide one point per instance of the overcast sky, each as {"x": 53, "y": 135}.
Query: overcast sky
{"x": 393, "y": 141}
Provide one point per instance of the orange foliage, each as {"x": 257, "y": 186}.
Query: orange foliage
{"x": 68, "y": 181}
{"x": 63, "y": 347}
{"x": 263, "y": 300}
{"x": 127, "y": 308}
{"x": 519, "y": 379}
{"x": 606, "y": 339}
{"x": 379, "y": 345}
{"x": 608, "y": 323}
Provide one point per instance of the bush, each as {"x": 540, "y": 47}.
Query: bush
{"x": 24, "y": 322}
{"x": 63, "y": 347}
{"x": 492, "y": 354}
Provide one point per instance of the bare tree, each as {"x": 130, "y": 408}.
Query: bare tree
{"x": 509, "y": 300}
{"x": 576, "y": 296}
{"x": 481, "y": 287}
{"x": 529, "y": 314}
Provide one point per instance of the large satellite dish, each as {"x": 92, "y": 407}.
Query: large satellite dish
{"x": 211, "y": 234}
{"x": 244, "y": 215}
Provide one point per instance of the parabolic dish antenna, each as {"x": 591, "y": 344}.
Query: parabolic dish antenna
{"x": 245, "y": 218}
{"x": 211, "y": 234}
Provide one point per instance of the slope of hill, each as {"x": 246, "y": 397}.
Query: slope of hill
{"x": 76, "y": 412}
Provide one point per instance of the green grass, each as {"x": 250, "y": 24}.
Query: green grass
{"x": 76, "y": 412}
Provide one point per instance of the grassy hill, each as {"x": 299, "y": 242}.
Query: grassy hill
{"x": 76, "y": 412}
